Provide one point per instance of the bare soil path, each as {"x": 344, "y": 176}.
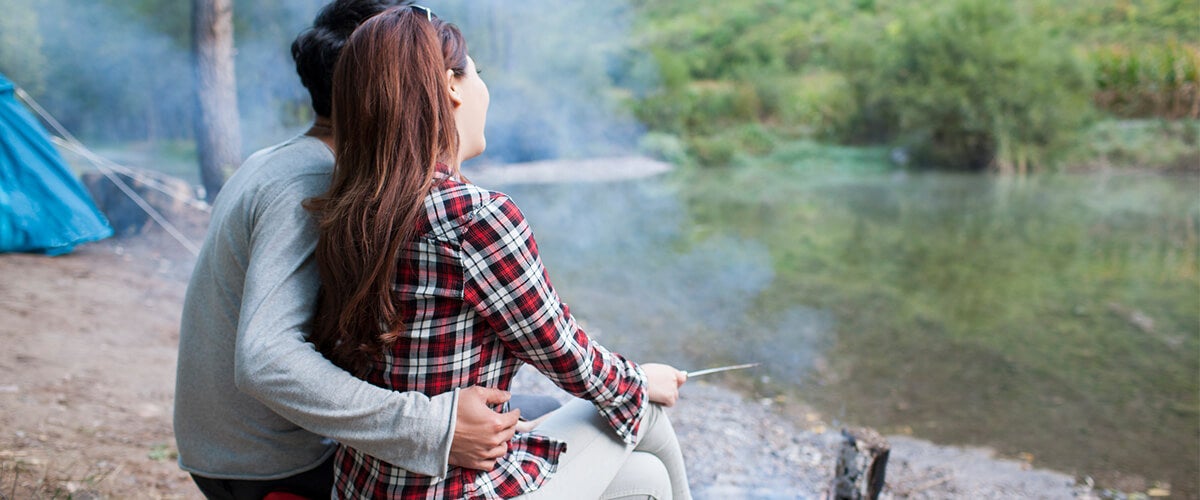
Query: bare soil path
{"x": 87, "y": 371}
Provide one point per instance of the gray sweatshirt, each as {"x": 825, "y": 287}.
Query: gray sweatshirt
{"x": 252, "y": 397}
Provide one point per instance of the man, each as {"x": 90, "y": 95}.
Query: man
{"x": 253, "y": 399}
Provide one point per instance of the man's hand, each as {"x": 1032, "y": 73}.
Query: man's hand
{"x": 663, "y": 382}
{"x": 481, "y": 434}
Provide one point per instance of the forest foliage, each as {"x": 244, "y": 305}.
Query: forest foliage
{"x": 962, "y": 84}
{"x": 965, "y": 84}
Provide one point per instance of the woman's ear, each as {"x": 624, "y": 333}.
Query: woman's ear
{"x": 455, "y": 95}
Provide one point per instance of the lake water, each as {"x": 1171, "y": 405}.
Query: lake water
{"x": 1054, "y": 316}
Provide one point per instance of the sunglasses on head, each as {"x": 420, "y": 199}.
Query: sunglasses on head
{"x": 420, "y": 9}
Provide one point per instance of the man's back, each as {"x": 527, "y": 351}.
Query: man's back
{"x": 259, "y": 245}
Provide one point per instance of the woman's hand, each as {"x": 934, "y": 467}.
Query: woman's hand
{"x": 525, "y": 426}
{"x": 663, "y": 382}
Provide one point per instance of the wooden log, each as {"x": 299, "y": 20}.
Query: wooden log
{"x": 861, "y": 465}
{"x": 168, "y": 195}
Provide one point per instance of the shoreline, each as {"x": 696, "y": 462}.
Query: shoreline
{"x": 739, "y": 448}
{"x": 565, "y": 171}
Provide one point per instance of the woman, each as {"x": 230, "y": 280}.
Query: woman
{"x": 430, "y": 283}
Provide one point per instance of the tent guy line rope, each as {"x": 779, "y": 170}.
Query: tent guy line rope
{"x": 141, "y": 202}
{"x": 148, "y": 180}
{"x": 66, "y": 138}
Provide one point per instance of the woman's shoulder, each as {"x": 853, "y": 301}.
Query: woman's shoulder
{"x": 454, "y": 205}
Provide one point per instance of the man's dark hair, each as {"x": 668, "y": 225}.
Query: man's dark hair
{"x": 316, "y": 49}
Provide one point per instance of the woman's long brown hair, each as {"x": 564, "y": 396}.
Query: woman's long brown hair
{"x": 393, "y": 121}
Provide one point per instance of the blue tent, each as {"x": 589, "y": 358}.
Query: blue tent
{"x": 43, "y": 207}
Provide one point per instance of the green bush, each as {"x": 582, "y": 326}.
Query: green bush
{"x": 712, "y": 151}
{"x": 820, "y": 103}
{"x": 663, "y": 146}
{"x": 701, "y": 107}
{"x": 662, "y": 111}
{"x": 715, "y": 104}
{"x": 754, "y": 139}
{"x": 858, "y": 49}
{"x": 973, "y": 85}
{"x": 733, "y": 145}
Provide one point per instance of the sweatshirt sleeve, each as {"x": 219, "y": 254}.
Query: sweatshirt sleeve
{"x": 508, "y": 286}
{"x": 276, "y": 365}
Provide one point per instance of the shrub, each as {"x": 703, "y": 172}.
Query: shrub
{"x": 663, "y": 146}
{"x": 972, "y": 85}
{"x": 713, "y": 151}
{"x": 733, "y": 145}
{"x": 714, "y": 104}
{"x": 664, "y": 111}
{"x": 820, "y": 103}
{"x": 702, "y": 107}
{"x": 754, "y": 139}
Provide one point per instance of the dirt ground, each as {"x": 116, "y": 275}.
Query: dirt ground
{"x": 87, "y": 375}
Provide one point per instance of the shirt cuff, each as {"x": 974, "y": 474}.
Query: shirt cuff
{"x": 626, "y": 418}
{"x": 448, "y": 439}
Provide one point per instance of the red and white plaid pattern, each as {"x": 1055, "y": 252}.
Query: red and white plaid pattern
{"x": 478, "y": 303}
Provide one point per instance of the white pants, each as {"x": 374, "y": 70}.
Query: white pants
{"x": 599, "y": 465}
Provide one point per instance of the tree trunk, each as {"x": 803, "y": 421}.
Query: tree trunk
{"x": 218, "y": 133}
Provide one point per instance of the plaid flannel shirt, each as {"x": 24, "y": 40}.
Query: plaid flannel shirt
{"x": 477, "y": 304}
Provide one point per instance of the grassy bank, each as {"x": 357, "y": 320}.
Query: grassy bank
{"x": 1111, "y": 144}
{"x": 1163, "y": 146}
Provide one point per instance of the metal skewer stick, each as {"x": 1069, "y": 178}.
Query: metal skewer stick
{"x": 719, "y": 369}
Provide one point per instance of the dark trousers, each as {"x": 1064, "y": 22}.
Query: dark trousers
{"x": 315, "y": 483}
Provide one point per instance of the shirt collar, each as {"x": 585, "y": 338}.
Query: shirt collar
{"x": 442, "y": 171}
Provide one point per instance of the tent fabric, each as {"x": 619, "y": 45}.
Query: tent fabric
{"x": 43, "y": 206}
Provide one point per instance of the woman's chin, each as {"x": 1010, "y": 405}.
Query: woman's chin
{"x": 474, "y": 154}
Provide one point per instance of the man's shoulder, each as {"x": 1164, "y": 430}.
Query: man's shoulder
{"x": 297, "y": 158}
{"x": 298, "y": 168}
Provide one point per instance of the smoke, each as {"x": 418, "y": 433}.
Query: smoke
{"x": 116, "y": 72}
{"x": 273, "y": 102}
{"x": 560, "y": 74}
{"x": 639, "y": 275}
{"x": 105, "y": 77}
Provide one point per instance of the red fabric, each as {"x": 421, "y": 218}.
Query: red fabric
{"x": 478, "y": 303}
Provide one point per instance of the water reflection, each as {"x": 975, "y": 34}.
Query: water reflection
{"x": 626, "y": 257}
{"x": 1057, "y": 316}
